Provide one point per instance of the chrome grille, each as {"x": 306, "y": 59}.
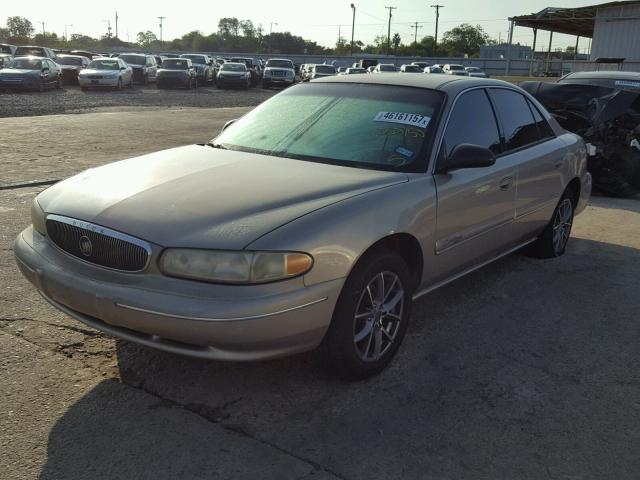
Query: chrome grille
{"x": 98, "y": 245}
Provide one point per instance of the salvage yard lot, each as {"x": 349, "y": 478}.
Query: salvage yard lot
{"x": 524, "y": 369}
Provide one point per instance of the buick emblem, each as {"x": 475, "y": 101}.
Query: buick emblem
{"x": 86, "y": 247}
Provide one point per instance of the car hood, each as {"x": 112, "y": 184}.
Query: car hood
{"x": 201, "y": 197}
{"x": 92, "y": 71}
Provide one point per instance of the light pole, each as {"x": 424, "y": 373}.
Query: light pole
{"x": 353, "y": 25}
{"x": 270, "y": 32}
{"x": 66, "y": 37}
{"x": 108, "y": 28}
{"x": 161, "y": 19}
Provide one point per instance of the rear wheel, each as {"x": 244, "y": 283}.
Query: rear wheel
{"x": 554, "y": 238}
{"x": 370, "y": 318}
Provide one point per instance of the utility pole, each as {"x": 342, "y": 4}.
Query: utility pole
{"x": 117, "y": 24}
{"x": 161, "y": 19}
{"x": 108, "y": 28}
{"x": 270, "y": 32}
{"x": 66, "y": 36}
{"x": 416, "y": 26}
{"x": 391, "y": 9}
{"x": 353, "y": 25}
{"x": 435, "y": 39}
{"x": 43, "y": 34}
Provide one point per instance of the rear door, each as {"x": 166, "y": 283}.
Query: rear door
{"x": 476, "y": 206}
{"x": 531, "y": 144}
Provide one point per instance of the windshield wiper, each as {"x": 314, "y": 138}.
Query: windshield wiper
{"x": 216, "y": 145}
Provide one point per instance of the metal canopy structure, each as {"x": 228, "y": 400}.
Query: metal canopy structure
{"x": 571, "y": 21}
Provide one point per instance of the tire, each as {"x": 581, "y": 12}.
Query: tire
{"x": 131, "y": 82}
{"x": 554, "y": 238}
{"x": 59, "y": 83}
{"x": 358, "y": 346}
{"x": 145, "y": 80}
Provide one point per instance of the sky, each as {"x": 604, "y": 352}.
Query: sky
{"x": 320, "y": 21}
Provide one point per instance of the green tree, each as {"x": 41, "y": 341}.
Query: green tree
{"x": 19, "y": 27}
{"x": 395, "y": 41}
{"x": 229, "y": 27}
{"x": 146, "y": 39}
{"x": 464, "y": 39}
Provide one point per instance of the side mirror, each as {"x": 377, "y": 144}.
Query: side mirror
{"x": 45, "y": 69}
{"x": 123, "y": 68}
{"x": 467, "y": 155}
{"x": 228, "y": 124}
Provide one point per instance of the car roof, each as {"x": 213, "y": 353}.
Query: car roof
{"x": 279, "y": 59}
{"x": 68, "y": 55}
{"x": 610, "y": 74}
{"x": 446, "y": 83}
{"x": 33, "y": 57}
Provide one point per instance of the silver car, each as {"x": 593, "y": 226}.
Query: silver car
{"x": 106, "y": 72}
{"x": 320, "y": 228}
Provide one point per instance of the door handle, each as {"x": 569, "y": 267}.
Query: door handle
{"x": 559, "y": 164}
{"x": 506, "y": 183}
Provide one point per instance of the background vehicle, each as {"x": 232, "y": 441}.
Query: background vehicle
{"x": 384, "y": 67}
{"x": 305, "y": 72}
{"x": 144, "y": 67}
{"x": 319, "y": 71}
{"x": 106, "y": 72}
{"x": 422, "y": 65}
{"x": 603, "y": 108}
{"x": 159, "y": 59}
{"x": 278, "y": 71}
{"x": 455, "y": 69}
{"x": 251, "y": 67}
{"x": 177, "y": 72}
{"x": 85, "y": 53}
{"x": 31, "y": 73}
{"x": 71, "y": 66}
{"x": 366, "y": 63}
{"x": 203, "y": 65}
{"x": 6, "y": 53}
{"x": 433, "y": 69}
{"x": 355, "y": 71}
{"x": 35, "y": 51}
{"x": 371, "y": 69}
{"x": 411, "y": 69}
{"x": 234, "y": 75}
{"x": 476, "y": 72}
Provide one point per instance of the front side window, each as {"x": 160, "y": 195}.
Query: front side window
{"x": 380, "y": 127}
{"x": 518, "y": 125}
{"x": 472, "y": 121}
{"x": 544, "y": 129}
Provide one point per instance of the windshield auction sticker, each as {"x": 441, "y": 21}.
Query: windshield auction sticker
{"x": 420, "y": 121}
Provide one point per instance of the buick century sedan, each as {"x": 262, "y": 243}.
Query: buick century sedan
{"x": 313, "y": 221}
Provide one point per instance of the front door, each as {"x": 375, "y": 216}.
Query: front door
{"x": 476, "y": 206}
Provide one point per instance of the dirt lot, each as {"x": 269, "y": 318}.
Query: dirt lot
{"x": 73, "y": 100}
{"x": 525, "y": 369}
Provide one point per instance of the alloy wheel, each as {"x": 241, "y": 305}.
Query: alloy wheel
{"x": 378, "y": 316}
{"x": 562, "y": 225}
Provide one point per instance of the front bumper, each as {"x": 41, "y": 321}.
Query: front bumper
{"x": 232, "y": 81}
{"x": 222, "y": 322}
{"x": 278, "y": 80}
{"x": 174, "y": 81}
{"x": 98, "y": 82}
{"x": 30, "y": 83}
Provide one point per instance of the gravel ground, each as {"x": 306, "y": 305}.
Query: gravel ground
{"x": 73, "y": 100}
{"x": 525, "y": 369}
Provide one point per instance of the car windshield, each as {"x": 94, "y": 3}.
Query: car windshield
{"x": 380, "y": 127}
{"x": 5, "y": 49}
{"x": 472, "y": 69}
{"x": 70, "y": 61}
{"x": 279, "y": 64}
{"x": 175, "y": 64}
{"x": 134, "y": 59}
{"x": 25, "y": 64}
{"x": 105, "y": 65}
{"x": 355, "y": 70}
{"x": 412, "y": 69}
{"x": 30, "y": 51}
{"x": 233, "y": 67}
{"x": 456, "y": 67}
{"x": 196, "y": 58}
{"x": 387, "y": 68}
{"x": 325, "y": 69}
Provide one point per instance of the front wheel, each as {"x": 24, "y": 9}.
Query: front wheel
{"x": 554, "y": 238}
{"x": 370, "y": 318}
{"x": 59, "y": 83}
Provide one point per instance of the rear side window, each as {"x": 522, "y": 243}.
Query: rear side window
{"x": 518, "y": 125}
{"x": 472, "y": 121}
{"x": 544, "y": 129}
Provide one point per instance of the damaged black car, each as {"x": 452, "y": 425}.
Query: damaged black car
{"x": 604, "y": 109}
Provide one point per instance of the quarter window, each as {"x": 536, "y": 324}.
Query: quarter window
{"x": 518, "y": 125}
{"x": 472, "y": 121}
{"x": 544, "y": 129}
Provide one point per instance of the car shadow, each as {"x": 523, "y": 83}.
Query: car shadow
{"x": 525, "y": 368}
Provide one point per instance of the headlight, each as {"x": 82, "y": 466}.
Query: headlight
{"x": 290, "y": 74}
{"x": 38, "y": 217}
{"x": 267, "y": 73}
{"x": 221, "y": 266}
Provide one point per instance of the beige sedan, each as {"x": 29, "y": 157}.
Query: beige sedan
{"x": 314, "y": 220}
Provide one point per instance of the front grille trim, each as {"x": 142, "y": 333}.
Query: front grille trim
{"x": 107, "y": 232}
